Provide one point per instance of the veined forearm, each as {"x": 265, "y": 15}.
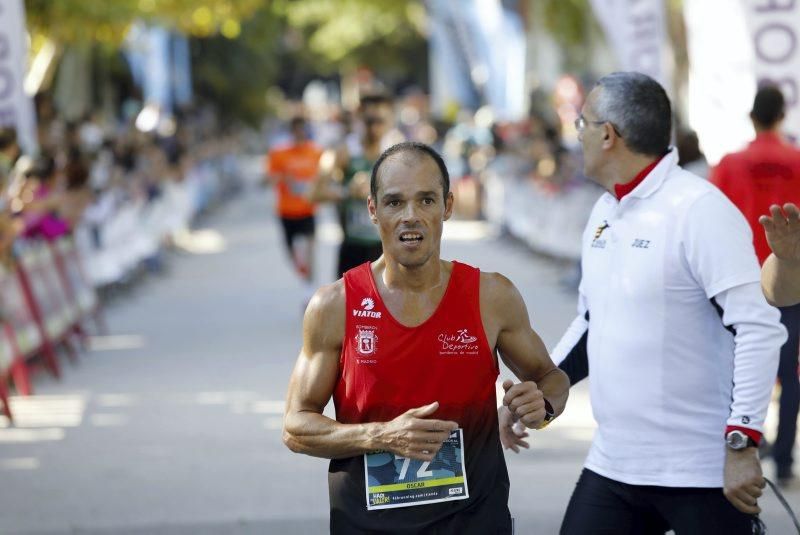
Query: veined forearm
{"x": 314, "y": 434}
{"x": 780, "y": 280}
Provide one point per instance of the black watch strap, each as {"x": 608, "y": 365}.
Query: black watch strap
{"x": 549, "y": 414}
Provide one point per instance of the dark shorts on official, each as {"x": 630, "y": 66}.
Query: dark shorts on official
{"x": 602, "y": 506}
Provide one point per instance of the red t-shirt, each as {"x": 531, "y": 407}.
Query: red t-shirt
{"x": 767, "y": 172}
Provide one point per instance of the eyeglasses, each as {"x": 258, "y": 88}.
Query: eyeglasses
{"x": 581, "y": 122}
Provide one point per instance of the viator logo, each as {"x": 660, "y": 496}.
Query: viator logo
{"x": 367, "y": 304}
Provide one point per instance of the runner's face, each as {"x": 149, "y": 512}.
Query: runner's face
{"x": 377, "y": 120}
{"x": 299, "y": 132}
{"x": 410, "y": 209}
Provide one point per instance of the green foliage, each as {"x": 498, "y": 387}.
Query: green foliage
{"x": 240, "y": 48}
{"x": 336, "y": 28}
{"x": 567, "y": 20}
{"x": 236, "y": 73}
{"x": 107, "y": 20}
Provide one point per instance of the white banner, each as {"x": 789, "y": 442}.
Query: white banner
{"x": 774, "y": 31}
{"x": 16, "y": 108}
{"x": 721, "y": 80}
{"x": 733, "y": 46}
{"x": 637, "y": 32}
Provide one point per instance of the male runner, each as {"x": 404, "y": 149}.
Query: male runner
{"x": 348, "y": 182}
{"x": 408, "y": 346}
{"x": 293, "y": 169}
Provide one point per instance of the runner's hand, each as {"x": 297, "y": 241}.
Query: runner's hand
{"x": 511, "y": 433}
{"x": 743, "y": 479}
{"x": 525, "y": 402}
{"x": 783, "y": 231}
{"x": 415, "y": 436}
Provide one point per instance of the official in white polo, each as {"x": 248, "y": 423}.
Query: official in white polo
{"x": 681, "y": 343}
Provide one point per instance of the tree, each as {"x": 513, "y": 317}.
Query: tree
{"x": 68, "y": 21}
{"x": 240, "y": 48}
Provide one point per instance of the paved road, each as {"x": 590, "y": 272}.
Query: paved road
{"x": 172, "y": 425}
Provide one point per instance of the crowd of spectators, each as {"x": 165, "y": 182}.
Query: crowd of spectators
{"x": 88, "y": 175}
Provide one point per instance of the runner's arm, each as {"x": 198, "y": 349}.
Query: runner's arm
{"x": 519, "y": 345}
{"x": 307, "y": 430}
{"x": 327, "y": 186}
{"x": 273, "y": 170}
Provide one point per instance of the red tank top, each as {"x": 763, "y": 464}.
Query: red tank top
{"x": 387, "y": 368}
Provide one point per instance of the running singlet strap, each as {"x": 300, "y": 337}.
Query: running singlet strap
{"x": 386, "y": 369}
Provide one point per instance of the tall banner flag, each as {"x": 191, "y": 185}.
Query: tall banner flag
{"x": 721, "y": 81}
{"x": 636, "y": 30}
{"x": 774, "y": 27}
{"x": 734, "y": 47}
{"x": 16, "y": 108}
{"x": 477, "y": 56}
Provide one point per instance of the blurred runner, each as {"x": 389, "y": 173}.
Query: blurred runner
{"x": 346, "y": 182}
{"x": 408, "y": 349}
{"x": 292, "y": 169}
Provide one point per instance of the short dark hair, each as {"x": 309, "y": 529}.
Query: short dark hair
{"x": 639, "y": 108}
{"x": 768, "y": 106}
{"x": 414, "y": 147}
{"x": 297, "y": 120}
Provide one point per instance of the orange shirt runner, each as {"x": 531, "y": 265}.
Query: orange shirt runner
{"x": 295, "y": 166}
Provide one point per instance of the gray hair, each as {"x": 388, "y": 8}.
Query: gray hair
{"x": 639, "y": 109}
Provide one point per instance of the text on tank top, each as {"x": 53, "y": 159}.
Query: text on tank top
{"x": 387, "y": 368}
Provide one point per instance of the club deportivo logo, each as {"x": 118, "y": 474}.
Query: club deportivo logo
{"x": 366, "y": 340}
{"x": 460, "y": 343}
{"x": 367, "y": 304}
{"x": 464, "y": 337}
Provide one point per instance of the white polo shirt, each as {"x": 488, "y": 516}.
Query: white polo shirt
{"x": 662, "y": 364}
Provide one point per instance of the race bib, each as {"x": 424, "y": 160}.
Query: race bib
{"x": 394, "y": 481}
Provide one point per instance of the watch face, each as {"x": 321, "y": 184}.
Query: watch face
{"x": 737, "y": 440}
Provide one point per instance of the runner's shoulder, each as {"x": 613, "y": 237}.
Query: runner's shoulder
{"x": 327, "y": 306}
{"x": 497, "y": 285}
{"x": 499, "y": 294}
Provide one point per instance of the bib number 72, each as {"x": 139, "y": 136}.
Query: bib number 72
{"x": 421, "y": 473}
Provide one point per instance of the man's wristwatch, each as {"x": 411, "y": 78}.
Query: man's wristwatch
{"x": 549, "y": 415}
{"x": 737, "y": 440}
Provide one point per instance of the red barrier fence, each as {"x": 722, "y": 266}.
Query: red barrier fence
{"x": 45, "y": 298}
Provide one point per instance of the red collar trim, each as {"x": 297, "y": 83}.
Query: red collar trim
{"x": 621, "y": 190}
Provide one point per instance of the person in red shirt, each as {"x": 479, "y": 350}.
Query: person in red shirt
{"x": 407, "y": 347}
{"x": 767, "y": 173}
{"x": 292, "y": 168}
